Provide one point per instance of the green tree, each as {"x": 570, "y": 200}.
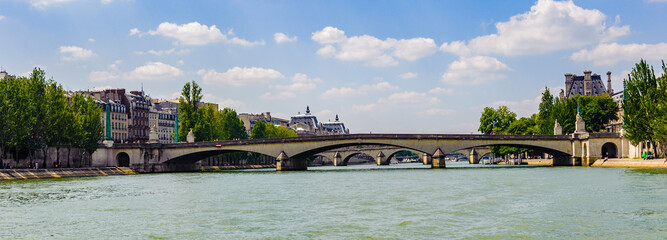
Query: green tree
{"x": 545, "y": 116}
{"x": 231, "y": 127}
{"x": 87, "y": 119}
{"x": 204, "y": 128}
{"x": 259, "y": 130}
{"x": 495, "y": 121}
{"x": 644, "y": 105}
{"x": 58, "y": 118}
{"x": 525, "y": 126}
{"x": 279, "y": 132}
{"x": 596, "y": 111}
{"x": 188, "y": 105}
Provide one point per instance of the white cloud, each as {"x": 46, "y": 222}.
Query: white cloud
{"x": 102, "y": 76}
{"x": 474, "y": 71}
{"x": 327, "y": 51}
{"x": 381, "y": 86}
{"x": 374, "y": 51}
{"x": 73, "y": 53}
{"x": 438, "y": 112}
{"x": 158, "y": 52}
{"x": 238, "y": 76}
{"x": 41, "y": 4}
{"x": 2, "y": 17}
{"x": 283, "y": 38}
{"x": 245, "y": 43}
{"x": 105, "y": 2}
{"x": 548, "y": 26}
{"x": 524, "y": 107}
{"x": 91, "y": 40}
{"x": 363, "y": 108}
{"x": 101, "y": 88}
{"x": 222, "y": 102}
{"x": 300, "y": 82}
{"x": 155, "y": 71}
{"x": 409, "y": 98}
{"x": 414, "y": 49}
{"x": 114, "y": 65}
{"x": 192, "y": 33}
{"x": 135, "y": 31}
{"x": 279, "y": 96}
{"x": 408, "y": 75}
{"x": 608, "y": 54}
{"x": 340, "y": 92}
{"x": 195, "y": 33}
{"x": 329, "y": 35}
{"x": 441, "y": 91}
{"x": 345, "y": 91}
{"x": 180, "y": 63}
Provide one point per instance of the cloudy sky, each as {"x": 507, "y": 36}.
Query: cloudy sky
{"x": 383, "y": 66}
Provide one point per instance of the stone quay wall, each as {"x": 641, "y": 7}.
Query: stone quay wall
{"x": 23, "y": 174}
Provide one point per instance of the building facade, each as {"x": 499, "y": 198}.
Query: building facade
{"x": 587, "y": 85}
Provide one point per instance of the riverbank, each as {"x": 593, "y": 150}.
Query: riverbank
{"x": 22, "y": 174}
{"x": 631, "y": 163}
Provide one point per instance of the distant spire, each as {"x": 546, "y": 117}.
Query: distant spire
{"x": 307, "y": 110}
{"x": 336, "y": 117}
{"x": 142, "y": 89}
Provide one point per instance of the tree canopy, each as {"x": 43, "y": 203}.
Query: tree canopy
{"x": 645, "y": 105}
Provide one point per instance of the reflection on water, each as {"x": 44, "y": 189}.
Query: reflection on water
{"x": 397, "y": 201}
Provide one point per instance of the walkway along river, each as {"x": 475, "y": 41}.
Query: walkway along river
{"x": 406, "y": 201}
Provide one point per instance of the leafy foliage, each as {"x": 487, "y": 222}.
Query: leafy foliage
{"x": 265, "y": 130}
{"x": 644, "y": 105}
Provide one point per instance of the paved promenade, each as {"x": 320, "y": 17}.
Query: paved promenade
{"x": 632, "y": 163}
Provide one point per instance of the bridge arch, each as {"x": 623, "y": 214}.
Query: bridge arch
{"x": 550, "y": 151}
{"x": 199, "y": 155}
{"x": 347, "y": 159}
{"x": 122, "y": 159}
{"x": 609, "y": 150}
{"x": 324, "y": 148}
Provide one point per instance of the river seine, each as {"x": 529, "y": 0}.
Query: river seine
{"x": 405, "y": 201}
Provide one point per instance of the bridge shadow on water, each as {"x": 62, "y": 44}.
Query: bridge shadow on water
{"x": 393, "y": 167}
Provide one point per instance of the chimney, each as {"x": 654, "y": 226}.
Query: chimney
{"x": 587, "y": 75}
{"x": 609, "y": 90}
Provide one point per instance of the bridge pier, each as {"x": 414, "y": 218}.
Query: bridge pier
{"x": 474, "y": 157}
{"x": 381, "y": 159}
{"x": 285, "y": 163}
{"x": 439, "y": 159}
{"x": 338, "y": 160}
{"x": 426, "y": 159}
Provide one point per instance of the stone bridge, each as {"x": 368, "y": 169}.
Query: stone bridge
{"x": 291, "y": 153}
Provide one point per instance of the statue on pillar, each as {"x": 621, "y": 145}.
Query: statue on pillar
{"x": 558, "y": 130}
{"x": 579, "y": 125}
{"x": 191, "y": 137}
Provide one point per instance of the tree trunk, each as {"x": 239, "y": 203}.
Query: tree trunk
{"x": 58, "y": 156}
{"x": 45, "y": 151}
{"x": 69, "y": 150}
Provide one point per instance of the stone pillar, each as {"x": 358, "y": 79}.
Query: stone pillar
{"x": 439, "y": 159}
{"x": 284, "y": 163}
{"x": 426, "y": 159}
{"x": 474, "y": 157}
{"x": 338, "y": 160}
{"x": 381, "y": 159}
{"x": 558, "y": 130}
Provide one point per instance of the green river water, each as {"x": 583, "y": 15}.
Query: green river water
{"x": 405, "y": 201}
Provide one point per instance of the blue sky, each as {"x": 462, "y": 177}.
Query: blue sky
{"x": 383, "y": 66}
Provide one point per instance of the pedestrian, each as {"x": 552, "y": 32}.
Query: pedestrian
{"x": 27, "y": 164}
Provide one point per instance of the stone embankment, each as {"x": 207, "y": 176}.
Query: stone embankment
{"x": 631, "y": 163}
{"x": 220, "y": 168}
{"x": 21, "y": 174}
